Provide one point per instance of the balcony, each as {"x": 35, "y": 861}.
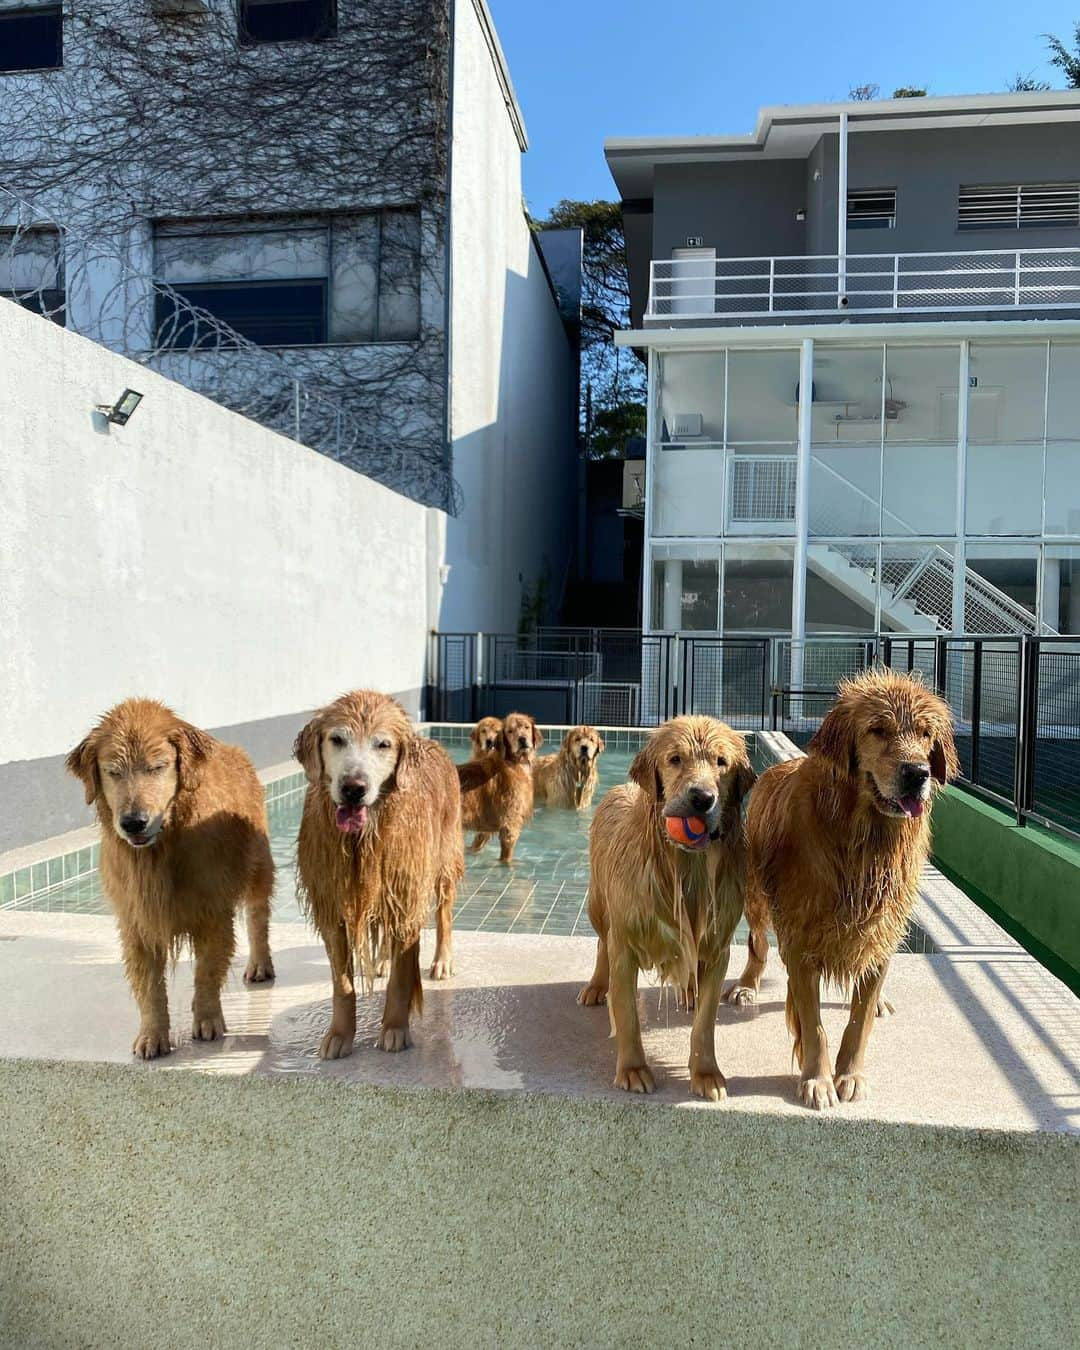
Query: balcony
{"x": 692, "y": 290}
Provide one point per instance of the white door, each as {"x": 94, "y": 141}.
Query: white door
{"x": 693, "y": 281}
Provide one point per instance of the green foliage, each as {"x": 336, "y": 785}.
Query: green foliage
{"x": 535, "y": 602}
{"x": 614, "y": 375}
{"x": 1065, "y": 60}
{"x": 612, "y": 426}
{"x": 1026, "y": 84}
{"x": 909, "y": 91}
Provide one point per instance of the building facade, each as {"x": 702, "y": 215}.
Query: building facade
{"x": 338, "y": 182}
{"x": 914, "y": 267}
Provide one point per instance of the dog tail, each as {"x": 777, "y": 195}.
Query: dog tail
{"x": 477, "y": 772}
{"x": 791, "y": 1016}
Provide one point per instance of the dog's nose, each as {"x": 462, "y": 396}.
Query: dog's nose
{"x": 135, "y": 822}
{"x": 584, "y": 752}
{"x": 523, "y": 744}
{"x": 353, "y": 791}
{"x": 701, "y": 799}
{"x": 913, "y": 778}
{"x": 489, "y": 744}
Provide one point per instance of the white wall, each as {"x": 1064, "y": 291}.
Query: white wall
{"x": 513, "y": 384}
{"x": 191, "y": 555}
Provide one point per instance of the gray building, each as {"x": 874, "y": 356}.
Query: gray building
{"x": 915, "y": 266}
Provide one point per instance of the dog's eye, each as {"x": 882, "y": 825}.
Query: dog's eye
{"x": 924, "y": 733}
{"x": 337, "y": 739}
{"x": 114, "y": 771}
{"x": 877, "y": 731}
{"x": 157, "y": 768}
{"x": 382, "y": 743}
{"x": 675, "y": 760}
{"x": 721, "y": 763}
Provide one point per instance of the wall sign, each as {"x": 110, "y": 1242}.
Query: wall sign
{"x": 694, "y": 240}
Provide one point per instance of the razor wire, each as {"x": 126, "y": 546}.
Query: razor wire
{"x": 87, "y": 286}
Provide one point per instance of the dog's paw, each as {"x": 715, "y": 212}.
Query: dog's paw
{"x": 708, "y": 1083}
{"x": 335, "y": 1045}
{"x": 852, "y": 1087}
{"x": 208, "y": 1026}
{"x": 441, "y": 969}
{"x": 741, "y": 995}
{"x": 393, "y": 1039}
{"x": 689, "y": 1000}
{"x": 635, "y": 1078}
{"x": 592, "y": 996}
{"x": 818, "y": 1093}
{"x": 151, "y": 1042}
{"x": 259, "y": 970}
{"x": 884, "y": 1008}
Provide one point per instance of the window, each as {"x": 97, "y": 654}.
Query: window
{"x": 874, "y": 209}
{"x": 304, "y": 281}
{"x": 1019, "y": 206}
{"x": 31, "y": 39}
{"x": 286, "y": 21}
{"x": 31, "y": 271}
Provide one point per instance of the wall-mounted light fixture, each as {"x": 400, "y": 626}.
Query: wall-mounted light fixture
{"x": 120, "y": 411}
{"x": 800, "y": 214}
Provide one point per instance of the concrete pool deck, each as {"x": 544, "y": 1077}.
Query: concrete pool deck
{"x": 490, "y": 1187}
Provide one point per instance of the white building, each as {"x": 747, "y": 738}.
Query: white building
{"x": 915, "y": 265}
{"x": 339, "y": 181}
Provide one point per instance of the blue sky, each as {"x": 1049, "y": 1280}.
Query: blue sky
{"x": 588, "y": 69}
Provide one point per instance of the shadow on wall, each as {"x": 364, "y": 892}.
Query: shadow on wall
{"x": 518, "y": 470}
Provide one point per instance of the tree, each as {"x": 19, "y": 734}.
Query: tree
{"x": 909, "y": 91}
{"x": 1068, "y": 61}
{"x": 863, "y": 93}
{"x": 612, "y": 378}
{"x": 1026, "y": 84}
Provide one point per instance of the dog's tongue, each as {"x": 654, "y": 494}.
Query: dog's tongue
{"x": 912, "y": 806}
{"x": 351, "y": 819}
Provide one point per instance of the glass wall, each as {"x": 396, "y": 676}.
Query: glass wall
{"x": 886, "y": 457}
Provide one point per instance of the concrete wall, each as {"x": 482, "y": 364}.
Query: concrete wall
{"x": 745, "y": 209}
{"x": 512, "y": 367}
{"x": 192, "y": 556}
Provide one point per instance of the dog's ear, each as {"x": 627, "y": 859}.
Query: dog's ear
{"x": 745, "y": 779}
{"x": 307, "y": 748}
{"x": 944, "y": 762}
{"x": 600, "y": 746}
{"x": 834, "y": 740}
{"x": 192, "y": 748}
{"x": 645, "y": 774}
{"x": 82, "y": 762}
{"x": 507, "y": 748}
{"x": 537, "y": 734}
{"x": 407, "y": 761}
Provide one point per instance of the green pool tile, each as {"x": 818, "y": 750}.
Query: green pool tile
{"x": 7, "y": 890}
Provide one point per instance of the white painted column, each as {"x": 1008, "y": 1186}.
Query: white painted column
{"x": 841, "y": 214}
{"x": 652, "y": 394}
{"x": 802, "y": 510}
{"x": 672, "y": 595}
{"x": 959, "y": 587}
{"x": 1050, "y": 612}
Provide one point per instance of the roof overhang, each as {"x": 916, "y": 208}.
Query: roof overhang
{"x": 790, "y": 131}
{"x": 850, "y": 334}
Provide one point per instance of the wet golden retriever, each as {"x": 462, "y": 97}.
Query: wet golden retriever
{"x": 380, "y": 838}
{"x": 184, "y": 844}
{"x": 658, "y": 905}
{"x": 486, "y": 736}
{"x": 569, "y": 778}
{"x": 504, "y": 804}
{"x": 837, "y": 841}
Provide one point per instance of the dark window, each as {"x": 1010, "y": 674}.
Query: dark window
{"x": 286, "y": 21}
{"x": 874, "y": 210}
{"x": 31, "y": 39}
{"x": 32, "y": 271}
{"x": 271, "y": 313}
{"x": 1019, "y": 206}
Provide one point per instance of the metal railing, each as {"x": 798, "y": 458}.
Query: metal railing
{"x": 1015, "y": 698}
{"x": 875, "y": 283}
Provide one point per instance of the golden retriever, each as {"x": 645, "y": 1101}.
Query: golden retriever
{"x": 184, "y": 843}
{"x": 486, "y": 736}
{"x": 504, "y": 804}
{"x": 658, "y": 905}
{"x": 837, "y": 841}
{"x": 380, "y": 838}
{"x": 569, "y": 778}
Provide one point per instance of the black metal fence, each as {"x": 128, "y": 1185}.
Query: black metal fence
{"x": 1015, "y": 700}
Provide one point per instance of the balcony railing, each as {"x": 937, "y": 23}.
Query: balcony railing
{"x": 692, "y": 289}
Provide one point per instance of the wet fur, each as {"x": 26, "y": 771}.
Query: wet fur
{"x": 835, "y": 877}
{"x": 211, "y": 857}
{"x": 504, "y": 804}
{"x": 565, "y": 779}
{"x": 368, "y": 894}
{"x": 657, "y": 907}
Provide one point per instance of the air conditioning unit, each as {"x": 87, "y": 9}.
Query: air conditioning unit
{"x": 686, "y": 424}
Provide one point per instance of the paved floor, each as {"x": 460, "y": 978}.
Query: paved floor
{"x": 983, "y": 1036}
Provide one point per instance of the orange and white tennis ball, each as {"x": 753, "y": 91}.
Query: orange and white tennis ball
{"x": 690, "y": 831}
